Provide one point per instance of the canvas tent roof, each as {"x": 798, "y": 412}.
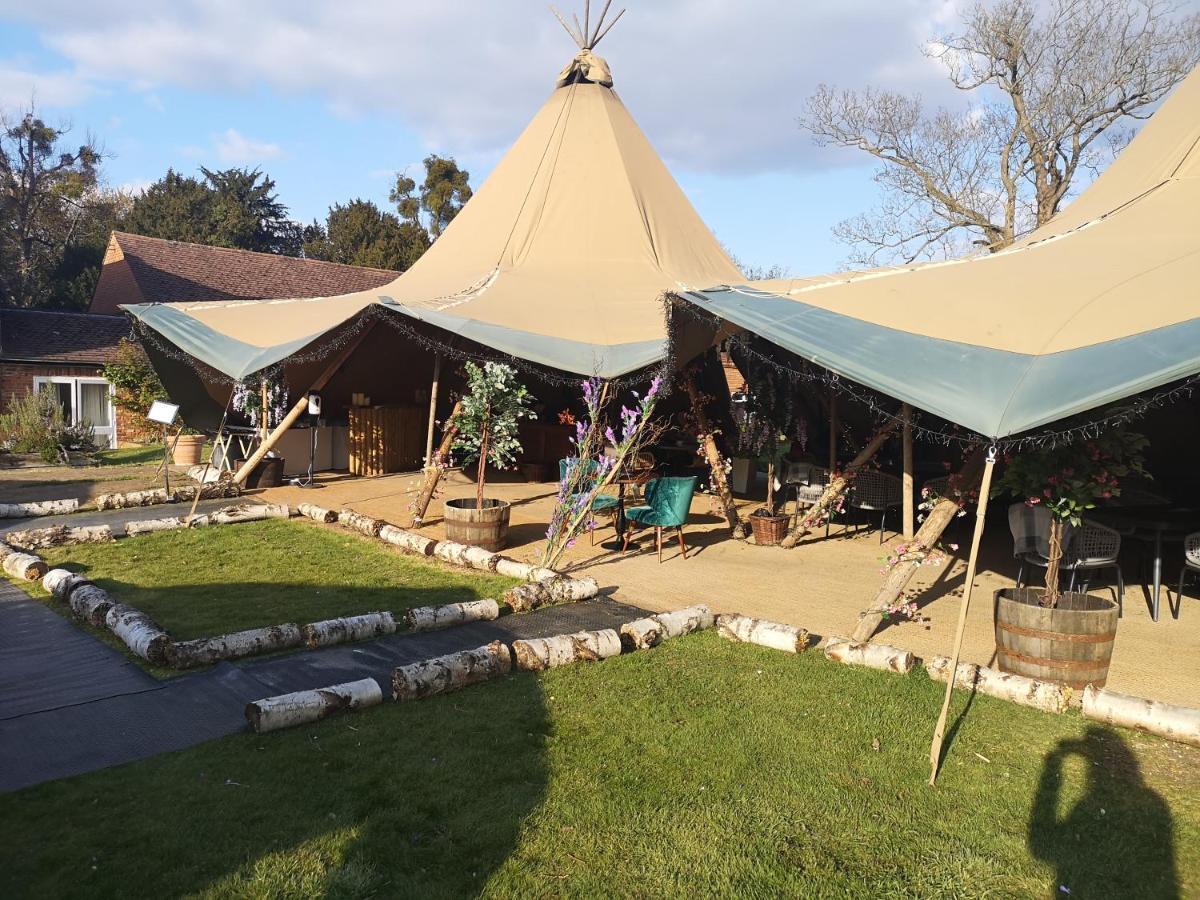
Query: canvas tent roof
{"x": 1101, "y": 303}
{"x": 559, "y": 258}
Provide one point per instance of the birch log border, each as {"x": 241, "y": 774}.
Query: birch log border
{"x": 774, "y": 635}
{"x": 1176, "y": 723}
{"x": 642, "y": 634}
{"x": 305, "y": 707}
{"x": 442, "y": 674}
{"x": 18, "y": 564}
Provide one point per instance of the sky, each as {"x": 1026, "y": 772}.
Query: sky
{"x": 332, "y": 99}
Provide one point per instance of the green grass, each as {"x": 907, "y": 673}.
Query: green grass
{"x": 142, "y": 455}
{"x": 211, "y": 581}
{"x": 699, "y": 768}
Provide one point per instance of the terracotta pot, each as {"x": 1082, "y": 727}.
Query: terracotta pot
{"x": 486, "y": 527}
{"x": 188, "y": 450}
{"x": 1070, "y": 644}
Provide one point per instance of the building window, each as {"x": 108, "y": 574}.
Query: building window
{"x": 84, "y": 400}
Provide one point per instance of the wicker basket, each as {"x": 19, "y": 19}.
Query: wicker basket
{"x": 768, "y": 530}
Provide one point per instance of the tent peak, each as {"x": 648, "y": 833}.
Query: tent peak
{"x": 585, "y": 36}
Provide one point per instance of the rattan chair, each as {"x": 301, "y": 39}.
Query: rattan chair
{"x": 1087, "y": 549}
{"x": 1095, "y": 548}
{"x": 806, "y": 483}
{"x": 1191, "y": 563}
{"x": 875, "y": 491}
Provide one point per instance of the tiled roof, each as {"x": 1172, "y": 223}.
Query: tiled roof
{"x": 140, "y": 269}
{"x": 31, "y": 335}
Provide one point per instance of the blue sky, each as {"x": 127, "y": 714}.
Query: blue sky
{"x": 332, "y": 99}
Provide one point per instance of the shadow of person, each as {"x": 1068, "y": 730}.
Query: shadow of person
{"x": 1106, "y": 832}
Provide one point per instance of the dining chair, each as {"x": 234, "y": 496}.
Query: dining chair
{"x": 1191, "y": 563}
{"x": 604, "y": 504}
{"x": 875, "y": 491}
{"x": 1087, "y": 549}
{"x": 668, "y": 502}
{"x": 806, "y": 483}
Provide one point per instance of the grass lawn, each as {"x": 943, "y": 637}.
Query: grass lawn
{"x": 699, "y": 768}
{"x": 140, "y": 455}
{"x": 211, "y": 581}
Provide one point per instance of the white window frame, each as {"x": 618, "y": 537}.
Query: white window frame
{"x": 75, "y": 381}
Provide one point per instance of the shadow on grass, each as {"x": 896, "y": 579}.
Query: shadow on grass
{"x": 1088, "y": 839}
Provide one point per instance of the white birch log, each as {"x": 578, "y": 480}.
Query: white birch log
{"x": 536, "y": 654}
{"x": 60, "y": 582}
{"x": 511, "y": 568}
{"x": 303, "y": 707}
{"x": 776, "y": 635}
{"x": 238, "y": 644}
{"x": 451, "y": 672}
{"x": 407, "y": 540}
{"x": 149, "y": 526}
{"x": 564, "y": 589}
{"x": 140, "y": 633}
{"x": 1177, "y": 723}
{"x": 90, "y": 603}
{"x": 348, "y": 628}
{"x": 203, "y": 473}
{"x": 317, "y": 513}
{"x": 211, "y": 490}
{"x": 684, "y": 621}
{"x": 452, "y": 552}
{"x": 130, "y": 499}
{"x": 248, "y": 512}
{"x": 873, "y": 656}
{"x": 1043, "y": 695}
{"x": 38, "y": 508}
{"x": 430, "y": 618}
{"x": 21, "y": 565}
{"x": 59, "y": 536}
{"x": 641, "y": 634}
{"x": 358, "y": 522}
{"x": 538, "y": 573}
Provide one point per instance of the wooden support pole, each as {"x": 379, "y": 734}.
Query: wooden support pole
{"x": 716, "y": 464}
{"x": 262, "y": 412}
{"x": 837, "y": 486}
{"x": 433, "y": 400}
{"x": 436, "y": 466}
{"x": 909, "y": 526}
{"x": 834, "y": 424}
{"x": 926, "y": 537}
{"x": 298, "y": 409}
{"x": 939, "y": 731}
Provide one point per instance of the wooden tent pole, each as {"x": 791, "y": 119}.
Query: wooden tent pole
{"x": 433, "y": 399}
{"x": 298, "y": 409}
{"x": 435, "y": 466}
{"x": 833, "y": 431}
{"x": 909, "y": 498}
{"x": 262, "y": 412}
{"x": 939, "y": 731}
{"x": 712, "y": 455}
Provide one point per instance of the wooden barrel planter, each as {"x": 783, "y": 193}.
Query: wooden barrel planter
{"x": 486, "y": 527}
{"x": 267, "y": 474}
{"x": 1071, "y": 644}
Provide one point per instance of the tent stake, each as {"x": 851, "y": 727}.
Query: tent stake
{"x": 939, "y": 732}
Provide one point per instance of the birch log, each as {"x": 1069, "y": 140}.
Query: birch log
{"x": 25, "y": 566}
{"x": 536, "y": 654}
{"x": 1177, "y": 723}
{"x": 436, "y": 467}
{"x": 220, "y": 489}
{"x": 140, "y": 633}
{"x": 838, "y": 484}
{"x": 716, "y": 464}
{"x": 466, "y": 556}
{"x": 58, "y": 536}
{"x": 927, "y": 537}
{"x": 248, "y": 512}
{"x": 1043, "y": 695}
{"x": 38, "y": 508}
{"x": 349, "y": 628}
{"x": 451, "y": 672}
{"x": 641, "y": 634}
{"x": 90, "y": 603}
{"x": 348, "y": 518}
{"x": 560, "y": 589}
{"x": 131, "y": 499}
{"x": 317, "y": 513}
{"x": 148, "y": 526}
{"x": 873, "y": 656}
{"x": 303, "y": 707}
{"x": 685, "y": 621}
{"x": 253, "y": 641}
{"x": 60, "y": 582}
{"x": 525, "y": 571}
{"x": 431, "y": 618}
{"x": 775, "y": 635}
{"x": 407, "y": 540}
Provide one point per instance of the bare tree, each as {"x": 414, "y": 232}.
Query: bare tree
{"x": 1050, "y": 85}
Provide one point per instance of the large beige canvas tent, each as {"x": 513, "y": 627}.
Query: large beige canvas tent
{"x": 1101, "y": 303}
{"x": 559, "y": 259}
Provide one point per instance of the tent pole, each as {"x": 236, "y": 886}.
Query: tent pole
{"x": 299, "y": 408}
{"x": 939, "y": 732}
{"x": 833, "y": 431}
{"x": 433, "y": 399}
{"x": 909, "y": 512}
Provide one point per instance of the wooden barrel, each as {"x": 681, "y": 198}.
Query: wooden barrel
{"x": 486, "y": 527}
{"x": 1071, "y": 644}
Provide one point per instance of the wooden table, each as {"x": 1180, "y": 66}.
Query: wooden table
{"x": 1152, "y": 524}
{"x": 621, "y": 524}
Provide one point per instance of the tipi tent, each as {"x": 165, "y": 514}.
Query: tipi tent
{"x": 559, "y": 259}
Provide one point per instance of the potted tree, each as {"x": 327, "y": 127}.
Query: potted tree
{"x": 492, "y": 408}
{"x": 1047, "y": 633}
{"x": 768, "y": 526}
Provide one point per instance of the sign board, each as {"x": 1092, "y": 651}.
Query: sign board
{"x": 162, "y": 412}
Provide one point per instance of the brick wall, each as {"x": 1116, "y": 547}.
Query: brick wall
{"x": 16, "y": 380}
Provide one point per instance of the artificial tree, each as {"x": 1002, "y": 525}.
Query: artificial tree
{"x": 1068, "y": 479}
{"x": 488, "y": 417}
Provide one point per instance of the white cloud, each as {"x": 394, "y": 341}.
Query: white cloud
{"x": 20, "y": 86}
{"x": 236, "y": 149}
